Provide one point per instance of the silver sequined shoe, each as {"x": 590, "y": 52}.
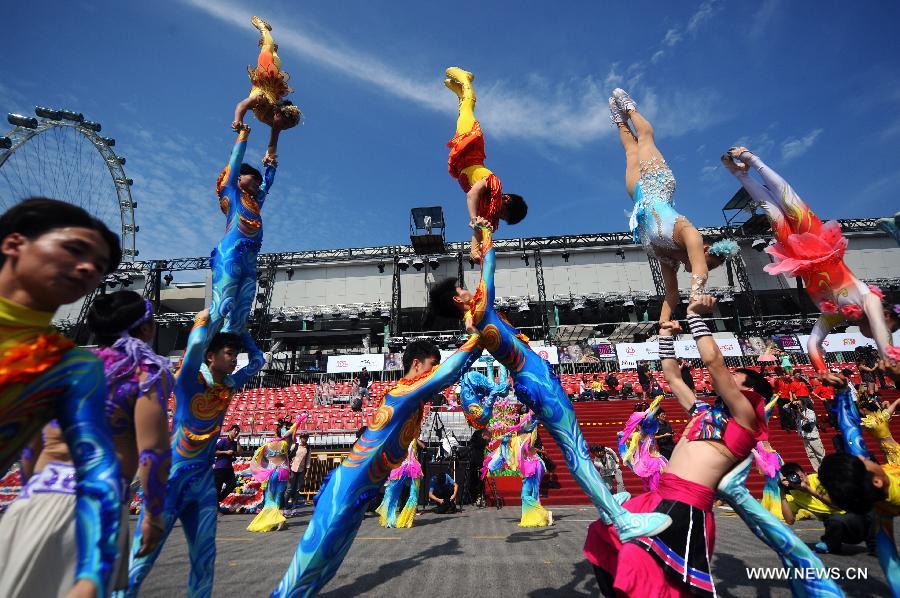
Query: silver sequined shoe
{"x": 625, "y": 101}
{"x": 614, "y": 113}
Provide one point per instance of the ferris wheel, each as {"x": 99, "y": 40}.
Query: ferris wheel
{"x": 59, "y": 154}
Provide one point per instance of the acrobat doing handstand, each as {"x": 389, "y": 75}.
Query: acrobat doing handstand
{"x": 806, "y": 247}
{"x": 665, "y": 234}
{"x": 484, "y": 193}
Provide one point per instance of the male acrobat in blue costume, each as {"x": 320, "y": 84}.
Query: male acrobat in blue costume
{"x": 242, "y": 192}
{"x": 538, "y": 388}
{"x": 341, "y": 502}
{"x": 205, "y": 383}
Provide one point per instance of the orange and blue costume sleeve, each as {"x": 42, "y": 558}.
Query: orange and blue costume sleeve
{"x": 341, "y": 502}
{"x": 466, "y": 165}
{"x": 540, "y": 390}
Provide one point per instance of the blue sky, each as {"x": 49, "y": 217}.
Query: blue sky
{"x": 813, "y": 87}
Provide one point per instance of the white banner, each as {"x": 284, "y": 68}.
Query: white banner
{"x": 630, "y": 353}
{"x": 344, "y": 364}
{"x": 548, "y": 353}
{"x": 839, "y": 341}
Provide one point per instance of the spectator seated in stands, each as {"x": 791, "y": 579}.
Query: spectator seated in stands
{"x": 598, "y": 389}
{"x": 800, "y": 490}
{"x": 612, "y": 384}
{"x": 442, "y": 490}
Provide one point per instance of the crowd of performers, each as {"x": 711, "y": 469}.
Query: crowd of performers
{"x": 84, "y": 423}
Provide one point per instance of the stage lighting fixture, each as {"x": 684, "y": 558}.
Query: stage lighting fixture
{"x": 111, "y": 283}
{"x": 381, "y": 268}
{"x": 168, "y": 278}
{"x": 524, "y": 307}
{"x": 354, "y": 317}
{"x": 434, "y": 263}
{"x": 578, "y": 304}
{"x": 471, "y": 263}
{"x": 621, "y": 253}
{"x": 727, "y": 298}
{"x": 524, "y": 258}
{"x": 629, "y": 303}
{"x": 759, "y": 244}
{"x": 290, "y": 273}
{"x": 385, "y": 314}
{"x": 565, "y": 256}
{"x": 403, "y": 263}
{"x": 308, "y": 317}
{"x": 418, "y": 264}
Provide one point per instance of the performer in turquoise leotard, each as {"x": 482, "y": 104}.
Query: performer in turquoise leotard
{"x": 538, "y": 388}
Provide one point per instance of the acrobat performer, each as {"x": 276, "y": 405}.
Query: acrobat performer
{"x": 665, "y": 234}
{"x": 269, "y": 88}
{"x": 484, "y": 193}
{"x": 814, "y": 251}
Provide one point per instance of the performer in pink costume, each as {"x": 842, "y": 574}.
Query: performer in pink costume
{"x": 814, "y": 251}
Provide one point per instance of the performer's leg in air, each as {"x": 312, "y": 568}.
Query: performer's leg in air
{"x": 665, "y": 233}
{"x": 484, "y": 192}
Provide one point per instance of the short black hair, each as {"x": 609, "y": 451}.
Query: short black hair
{"x": 234, "y": 427}
{"x": 846, "y": 372}
{"x": 34, "y": 216}
{"x": 849, "y": 483}
{"x": 516, "y": 208}
{"x": 790, "y": 467}
{"x": 247, "y": 169}
{"x": 440, "y": 299}
{"x": 112, "y": 314}
{"x": 757, "y": 382}
{"x": 224, "y": 340}
{"x": 419, "y": 349}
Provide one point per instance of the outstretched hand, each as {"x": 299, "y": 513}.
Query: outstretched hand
{"x": 239, "y": 126}
{"x": 702, "y": 305}
{"x": 270, "y": 159}
{"x": 890, "y": 367}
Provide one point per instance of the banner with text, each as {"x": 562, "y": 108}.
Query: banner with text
{"x": 840, "y": 341}
{"x": 344, "y": 364}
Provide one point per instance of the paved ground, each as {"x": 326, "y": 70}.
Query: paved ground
{"x": 477, "y": 552}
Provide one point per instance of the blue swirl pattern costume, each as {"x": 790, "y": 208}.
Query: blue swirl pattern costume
{"x": 478, "y": 393}
{"x": 341, "y": 503}
{"x": 653, "y": 220}
{"x": 68, "y": 384}
{"x": 854, "y": 444}
{"x": 540, "y": 390}
{"x": 233, "y": 261}
{"x": 200, "y": 406}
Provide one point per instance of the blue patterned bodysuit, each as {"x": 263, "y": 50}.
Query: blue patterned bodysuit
{"x": 200, "y": 407}
{"x": 539, "y": 389}
{"x": 233, "y": 261}
{"x": 342, "y": 501}
{"x": 72, "y": 389}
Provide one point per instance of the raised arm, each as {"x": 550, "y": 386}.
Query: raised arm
{"x": 198, "y": 341}
{"x": 268, "y": 181}
{"x": 757, "y": 190}
{"x": 488, "y": 264}
{"x": 98, "y": 491}
{"x": 723, "y": 382}
{"x": 672, "y": 298}
{"x": 472, "y": 197}
{"x": 237, "y": 156}
{"x": 257, "y": 360}
{"x": 454, "y": 367}
{"x": 671, "y": 371}
{"x": 814, "y": 345}
{"x": 240, "y": 111}
{"x": 154, "y": 458}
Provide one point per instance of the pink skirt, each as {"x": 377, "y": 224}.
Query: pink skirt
{"x": 636, "y": 569}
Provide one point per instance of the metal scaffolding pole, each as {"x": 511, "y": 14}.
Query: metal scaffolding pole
{"x": 656, "y": 271}
{"x": 395, "y": 299}
{"x": 542, "y": 293}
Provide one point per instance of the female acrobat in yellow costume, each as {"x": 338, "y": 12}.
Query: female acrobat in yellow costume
{"x": 269, "y": 88}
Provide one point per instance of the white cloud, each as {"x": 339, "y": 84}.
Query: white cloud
{"x": 704, "y": 13}
{"x": 794, "y": 147}
{"x": 710, "y": 173}
{"x": 567, "y": 114}
{"x": 763, "y": 18}
{"x": 657, "y": 56}
{"x": 673, "y": 36}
